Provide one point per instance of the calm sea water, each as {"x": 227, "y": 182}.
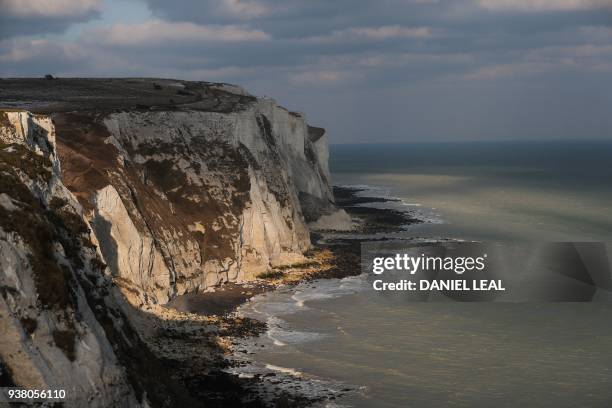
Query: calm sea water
{"x": 393, "y": 353}
{"x": 534, "y": 191}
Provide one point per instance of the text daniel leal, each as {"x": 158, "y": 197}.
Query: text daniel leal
{"x": 412, "y": 264}
{"x": 448, "y": 284}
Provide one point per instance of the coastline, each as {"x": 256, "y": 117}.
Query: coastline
{"x": 149, "y": 197}
{"x": 231, "y": 336}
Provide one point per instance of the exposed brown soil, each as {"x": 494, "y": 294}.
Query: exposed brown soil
{"x": 64, "y": 339}
{"x": 86, "y": 159}
{"x": 89, "y": 164}
{"x": 4, "y": 121}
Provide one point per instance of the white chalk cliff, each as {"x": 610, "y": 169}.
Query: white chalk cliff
{"x": 51, "y": 337}
{"x": 102, "y": 205}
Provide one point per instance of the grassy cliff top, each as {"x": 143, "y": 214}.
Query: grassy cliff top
{"x": 41, "y": 95}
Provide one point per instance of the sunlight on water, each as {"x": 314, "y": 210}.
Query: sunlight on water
{"x": 471, "y": 210}
{"x": 535, "y": 193}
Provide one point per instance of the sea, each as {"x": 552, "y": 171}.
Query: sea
{"x": 357, "y": 347}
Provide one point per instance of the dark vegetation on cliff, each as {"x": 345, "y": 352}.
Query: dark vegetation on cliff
{"x": 89, "y": 164}
{"x": 107, "y": 94}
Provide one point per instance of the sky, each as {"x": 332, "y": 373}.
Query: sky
{"x": 367, "y": 71}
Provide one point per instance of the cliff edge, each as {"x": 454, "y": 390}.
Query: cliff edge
{"x": 139, "y": 190}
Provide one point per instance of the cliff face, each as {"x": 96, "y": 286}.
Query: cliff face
{"x": 183, "y": 200}
{"x": 50, "y": 272}
{"x": 108, "y": 199}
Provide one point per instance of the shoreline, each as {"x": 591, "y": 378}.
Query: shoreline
{"x": 330, "y": 258}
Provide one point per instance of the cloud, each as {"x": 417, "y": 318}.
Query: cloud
{"x": 579, "y": 51}
{"x": 157, "y": 32}
{"x": 36, "y": 57}
{"x": 32, "y": 17}
{"x": 214, "y": 10}
{"x": 395, "y": 31}
{"x": 20, "y": 9}
{"x": 506, "y": 70}
{"x": 583, "y": 58}
{"x": 412, "y": 59}
{"x": 543, "y": 5}
{"x": 242, "y": 9}
{"x": 374, "y": 34}
{"x": 320, "y": 77}
{"x": 364, "y": 58}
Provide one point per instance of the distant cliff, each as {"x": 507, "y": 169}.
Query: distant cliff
{"x": 139, "y": 190}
